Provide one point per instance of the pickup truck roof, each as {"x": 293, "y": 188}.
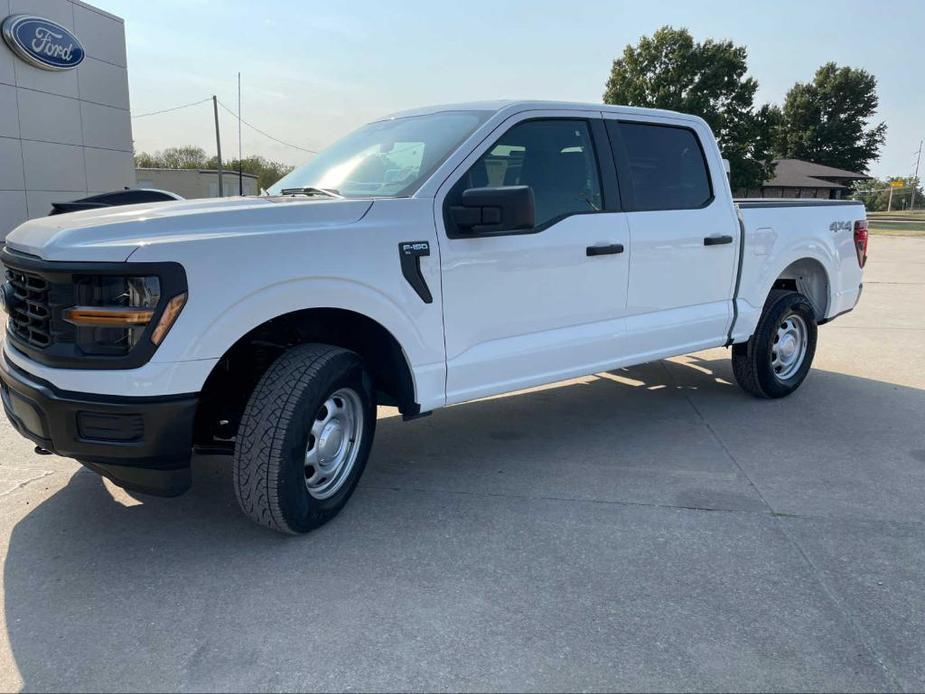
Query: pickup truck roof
{"x": 515, "y": 106}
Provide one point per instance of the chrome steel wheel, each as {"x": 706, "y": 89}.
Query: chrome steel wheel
{"x": 333, "y": 443}
{"x": 789, "y": 347}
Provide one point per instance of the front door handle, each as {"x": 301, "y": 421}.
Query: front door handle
{"x": 604, "y": 250}
{"x": 716, "y": 240}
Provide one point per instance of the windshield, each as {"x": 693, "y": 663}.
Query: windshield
{"x": 389, "y": 158}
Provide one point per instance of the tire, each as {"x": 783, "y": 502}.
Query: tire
{"x": 313, "y": 413}
{"x": 763, "y": 370}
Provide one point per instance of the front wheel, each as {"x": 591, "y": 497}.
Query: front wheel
{"x": 304, "y": 438}
{"x": 777, "y": 358}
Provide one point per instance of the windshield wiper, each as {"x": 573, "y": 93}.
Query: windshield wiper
{"x": 311, "y": 190}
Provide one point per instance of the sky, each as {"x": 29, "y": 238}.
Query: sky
{"x": 312, "y": 71}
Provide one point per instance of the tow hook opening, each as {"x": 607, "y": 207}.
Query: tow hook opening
{"x": 41, "y": 451}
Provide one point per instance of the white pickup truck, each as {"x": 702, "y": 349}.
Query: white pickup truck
{"x": 427, "y": 259}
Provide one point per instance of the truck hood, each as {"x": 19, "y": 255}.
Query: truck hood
{"x": 114, "y": 233}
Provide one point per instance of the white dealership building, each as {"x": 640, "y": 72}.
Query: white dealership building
{"x": 65, "y": 128}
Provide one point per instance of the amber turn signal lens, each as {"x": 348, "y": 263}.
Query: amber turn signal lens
{"x": 108, "y": 317}
{"x": 174, "y": 306}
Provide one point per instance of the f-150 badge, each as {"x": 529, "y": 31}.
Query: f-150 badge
{"x": 410, "y": 253}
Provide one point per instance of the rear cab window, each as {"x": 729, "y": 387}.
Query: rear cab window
{"x": 660, "y": 167}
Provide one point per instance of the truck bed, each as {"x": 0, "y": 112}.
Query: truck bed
{"x": 751, "y": 203}
{"x": 777, "y": 232}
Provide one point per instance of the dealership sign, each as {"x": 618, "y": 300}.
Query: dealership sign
{"x": 42, "y": 43}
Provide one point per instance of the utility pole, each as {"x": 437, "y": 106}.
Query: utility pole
{"x": 915, "y": 178}
{"x": 240, "y": 155}
{"x": 218, "y": 147}
{"x": 889, "y": 204}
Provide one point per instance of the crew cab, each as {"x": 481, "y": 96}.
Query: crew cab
{"x": 429, "y": 258}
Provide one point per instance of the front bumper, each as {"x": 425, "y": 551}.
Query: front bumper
{"x": 142, "y": 444}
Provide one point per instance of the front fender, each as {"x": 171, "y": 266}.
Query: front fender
{"x": 240, "y": 282}
{"x": 205, "y": 332}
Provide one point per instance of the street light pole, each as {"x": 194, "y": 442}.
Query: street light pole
{"x": 240, "y": 155}
{"x": 218, "y": 147}
{"x": 915, "y": 178}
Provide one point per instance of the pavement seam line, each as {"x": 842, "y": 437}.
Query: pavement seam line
{"x": 722, "y": 444}
{"x": 22, "y": 485}
{"x": 632, "y": 504}
{"x": 859, "y": 631}
{"x": 563, "y": 499}
{"x": 860, "y": 634}
{"x": 868, "y": 327}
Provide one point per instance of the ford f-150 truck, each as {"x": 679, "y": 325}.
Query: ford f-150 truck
{"x": 429, "y": 258}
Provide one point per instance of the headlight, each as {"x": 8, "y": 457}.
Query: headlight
{"x": 114, "y": 313}
{"x": 172, "y": 310}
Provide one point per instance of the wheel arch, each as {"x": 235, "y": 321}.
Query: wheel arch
{"x": 238, "y": 370}
{"x": 807, "y": 267}
{"x": 808, "y": 276}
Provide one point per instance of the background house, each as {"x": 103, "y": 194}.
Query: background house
{"x": 795, "y": 178}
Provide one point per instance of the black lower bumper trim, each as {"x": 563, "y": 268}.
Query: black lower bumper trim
{"x": 847, "y": 310}
{"x": 142, "y": 444}
{"x": 145, "y": 480}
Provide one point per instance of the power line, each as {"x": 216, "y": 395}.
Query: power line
{"x": 237, "y": 116}
{"x": 266, "y": 134}
{"x": 173, "y": 108}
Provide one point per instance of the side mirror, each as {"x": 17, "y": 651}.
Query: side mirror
{"x": 486, "y": 210}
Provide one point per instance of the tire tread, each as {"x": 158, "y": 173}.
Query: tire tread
{"x": 745, "y": 357}
{"x": 259, "y": 447}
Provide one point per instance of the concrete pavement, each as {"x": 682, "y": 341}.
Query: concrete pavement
{"x": 653, "y": 528}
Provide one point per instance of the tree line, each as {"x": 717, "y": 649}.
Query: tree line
{"x": 879, "y": 195}
{"x": 191, "y": 157}
{"x": 825, "y": 120}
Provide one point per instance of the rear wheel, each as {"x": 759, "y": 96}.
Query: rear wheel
{"x": 304, "y": 438}
{"x": 777, "y": 358}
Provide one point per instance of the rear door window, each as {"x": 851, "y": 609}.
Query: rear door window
{"x": 661, "y": 167}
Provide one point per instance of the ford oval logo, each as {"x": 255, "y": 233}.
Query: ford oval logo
{"x": 42, "y": 43}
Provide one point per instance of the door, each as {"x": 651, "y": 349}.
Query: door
{"x": 684, "y": 237}
{"x": 533, "y": 306}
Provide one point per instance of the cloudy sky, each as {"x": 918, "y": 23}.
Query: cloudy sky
{"x": 312, "y": 71}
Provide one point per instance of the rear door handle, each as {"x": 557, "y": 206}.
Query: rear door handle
{"x": 716, "y": 240}
{"x": 604, "y": 250}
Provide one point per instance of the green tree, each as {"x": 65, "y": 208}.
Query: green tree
{"x": 875, "y": 194}
{"x": 670, "y": 70}
{"x": 267, "y": 172}
{"x": 187, "y": 157}
{"x": 190, "y": 157}
{"x": 826, "y": 120}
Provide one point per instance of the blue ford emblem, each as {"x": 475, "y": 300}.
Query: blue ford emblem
{"x": 42, "y": 43}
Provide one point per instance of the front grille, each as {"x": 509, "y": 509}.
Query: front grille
{"x": 30, "y": 309}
